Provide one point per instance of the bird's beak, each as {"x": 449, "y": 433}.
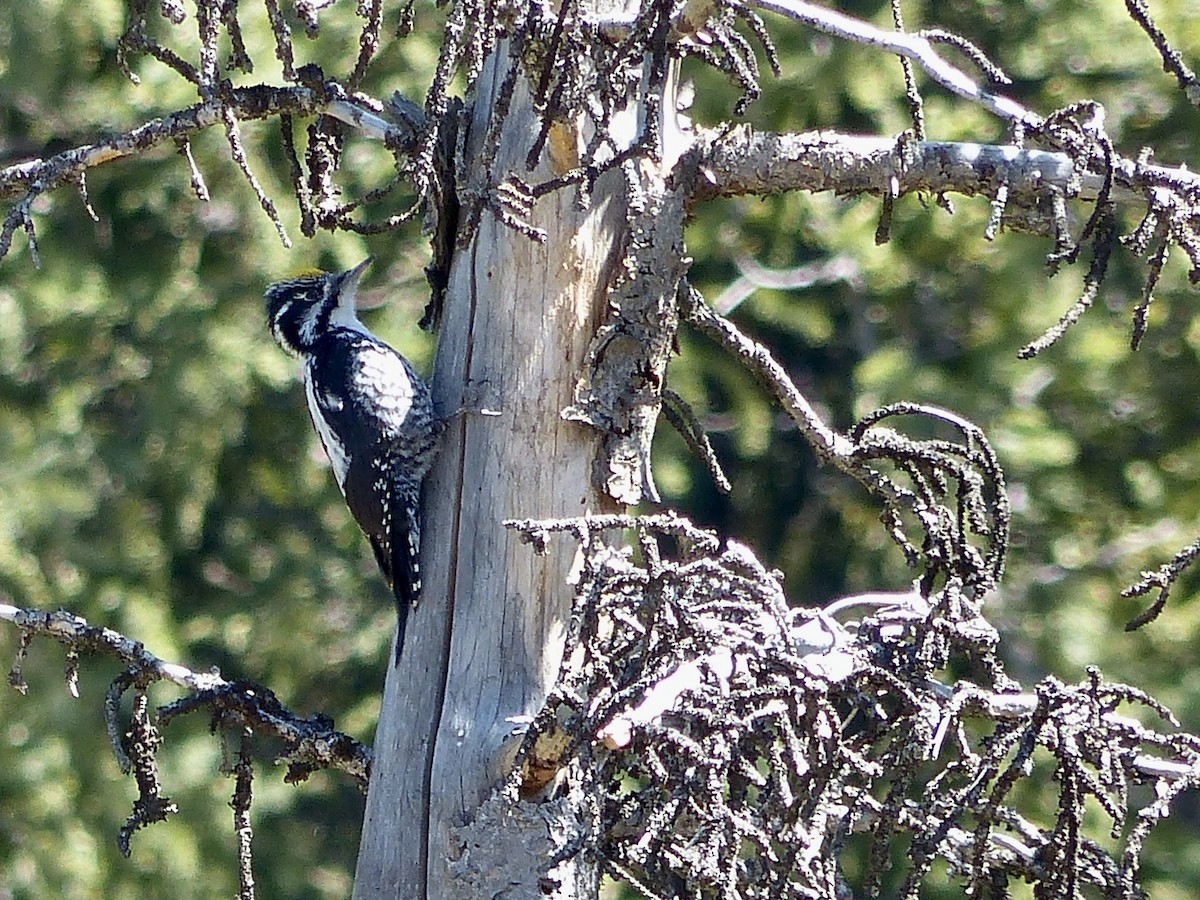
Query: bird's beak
{"x": 351, "y": 277}
{"x": 350, "y": 283}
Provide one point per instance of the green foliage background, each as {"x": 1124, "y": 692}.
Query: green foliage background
{"x": 158, "y": 473}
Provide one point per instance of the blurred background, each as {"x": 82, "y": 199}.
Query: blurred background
{"x": 158, "y": 473}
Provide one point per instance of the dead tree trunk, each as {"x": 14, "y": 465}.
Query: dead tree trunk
{"x": 484, "y": 646}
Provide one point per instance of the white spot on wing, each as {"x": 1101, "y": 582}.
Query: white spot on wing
{"x": 332, "y": 402}
{"x": 329, "y": 440}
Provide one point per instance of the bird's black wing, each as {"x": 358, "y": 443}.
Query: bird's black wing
{"x": 366, "y": 391}
{"x": 388, "y": 516}
{"x": 385, "y": 509}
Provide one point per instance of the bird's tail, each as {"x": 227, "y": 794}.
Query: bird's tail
{"x": 406, "y": 574}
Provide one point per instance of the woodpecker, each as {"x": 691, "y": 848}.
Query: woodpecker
{"x": 373, "y": 414}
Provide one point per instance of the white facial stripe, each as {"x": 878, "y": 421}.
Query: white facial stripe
{"x": 278, "y": 318}
{"x": 344, "y": 314}
{"x": 308, "y": 325}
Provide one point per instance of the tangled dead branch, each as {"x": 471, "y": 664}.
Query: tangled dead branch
{"x": 239, "y": 709}
{"x": 730, "y": 745}
{"x": 931, "y": 472}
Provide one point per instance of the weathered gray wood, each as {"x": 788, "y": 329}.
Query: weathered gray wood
{"x": 484, "y": 645}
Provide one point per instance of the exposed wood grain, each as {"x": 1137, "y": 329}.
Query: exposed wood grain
{"x": 484, "y": 645}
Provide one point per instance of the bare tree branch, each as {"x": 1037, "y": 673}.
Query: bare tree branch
{"x": 753, "y": 276}
{"x": 1163, "y": 579}
{"x": 742, "y": 161}
{"x": 144, "y": 740}
{"x": 310, "y": 743}
{"x": 916, "y": 47}
{"x": 1172, "y": 59}
{"x": 909, "y": 477}
{"x": 244, "y": 104}
{"x": 35, "y": 177}
{"x": 243, "y": 771}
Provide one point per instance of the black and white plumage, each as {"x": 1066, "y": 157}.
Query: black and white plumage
{"x": 373, "y": 413}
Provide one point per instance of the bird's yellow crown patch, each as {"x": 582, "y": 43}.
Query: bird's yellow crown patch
{"x": 307, "y": 272}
